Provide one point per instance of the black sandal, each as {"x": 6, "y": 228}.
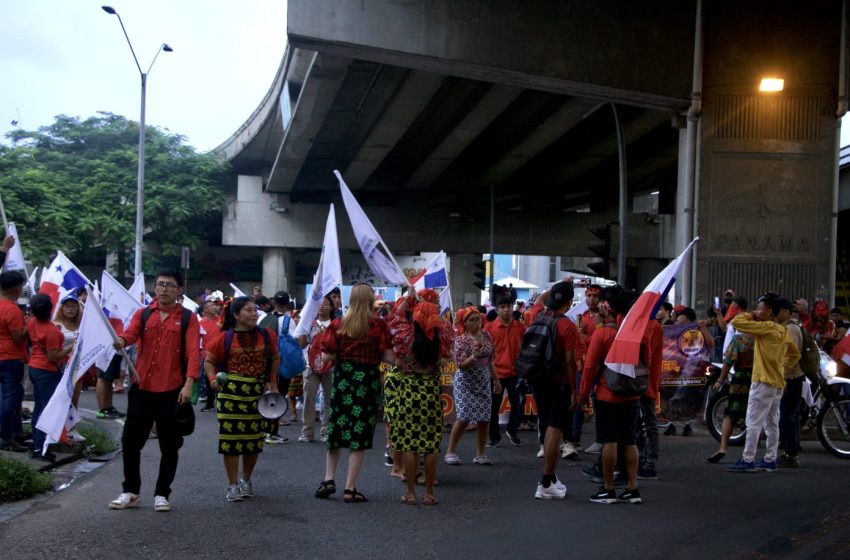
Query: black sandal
{"x": 353, "y": 496}
{"x": 326, "y": 488}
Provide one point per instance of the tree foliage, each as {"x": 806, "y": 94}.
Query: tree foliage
{"x": 72, "y": 186}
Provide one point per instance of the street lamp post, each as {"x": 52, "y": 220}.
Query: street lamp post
{"x": 140, "y": 181}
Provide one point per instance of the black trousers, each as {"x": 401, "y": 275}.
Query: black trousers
{"x": 144, "y": 409}
{"x": 509, "y": 385}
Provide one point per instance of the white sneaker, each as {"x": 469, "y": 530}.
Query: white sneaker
{"x": 540, "y": 453}
{"x": 305, "y": 439}
{"x": 596, "y": 447}
{"x": 560, "y": 486}
{"x": 74, "y": 435}
{"x": 246, "y": 489}
{"x": 554, "y": 492}
{"x": 233, "y": 493}
{"x": 568, "y": 451}
{"x": 124, "y": 500}
{"x": 160, "y": 503}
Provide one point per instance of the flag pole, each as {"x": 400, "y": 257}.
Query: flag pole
{"x": 3, "y": 212}
{"x": 392, "y": 258}
{"x": 134, "y": 375}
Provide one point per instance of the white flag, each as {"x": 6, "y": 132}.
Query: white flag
{"x": 190, "y": 304}
{"x": 236, "y": 291}
{"x": 446, "y": 299}
{"x": 328, "y": 276}
{"x": 94, "y": 338}
{"x": 434, "y": 275}
{"x": 137, "y": 290}
{"x": 367, "y": 237}
{"x": 15, "y": 258}
{"x": 31, "y": 280}
{"x": 118, "y": 302}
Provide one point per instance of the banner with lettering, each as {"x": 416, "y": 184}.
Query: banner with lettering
{"x": 685, "y": 356}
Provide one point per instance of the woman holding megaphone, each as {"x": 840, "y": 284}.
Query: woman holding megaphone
{"x": 241, "y": 363}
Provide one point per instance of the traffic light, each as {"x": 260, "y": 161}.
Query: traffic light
{"x": 480, "y": 273}
{"x": 602, "y": 250}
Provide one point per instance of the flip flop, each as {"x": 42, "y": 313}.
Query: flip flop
{"x": 429, "y": 500}
{"x": 716, "y": 457}
{"x": 407, "y": 500}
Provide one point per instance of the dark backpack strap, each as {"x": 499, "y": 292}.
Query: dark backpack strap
{"x": 185, "y": 316}
{"x": 228, "y": 342}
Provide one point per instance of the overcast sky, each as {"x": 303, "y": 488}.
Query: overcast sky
{"x": 70, "y": 57}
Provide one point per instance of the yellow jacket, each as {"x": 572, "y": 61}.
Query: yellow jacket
{"x": 775, "y": 351}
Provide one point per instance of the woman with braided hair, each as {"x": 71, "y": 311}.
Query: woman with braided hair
{"x": 250, "y": 357}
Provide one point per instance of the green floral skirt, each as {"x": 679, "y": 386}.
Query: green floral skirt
{"x": 241, "y": 429}
{"x": 354, "y": 405}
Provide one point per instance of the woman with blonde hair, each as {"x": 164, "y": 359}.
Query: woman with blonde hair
{"x": 356, "y": 343}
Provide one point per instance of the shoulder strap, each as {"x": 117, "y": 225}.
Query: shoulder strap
{"x": 268, "y": 350}
{"x": 185, "y": 316}
{"x": 228, "y": 342}
{"x": 146, "y": 313}
{"x": 284, "y": 329}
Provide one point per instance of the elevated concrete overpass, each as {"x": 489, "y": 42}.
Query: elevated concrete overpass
{"x": 426, "y": 106}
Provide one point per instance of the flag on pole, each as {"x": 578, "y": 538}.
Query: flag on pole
{"x": 573, "y": 313}
{"x": 383, "y": 266}
{"x": 189, "y": 303}
{"x": 118, "y": 302}
{"x": 625, "y": 350}
{"x": 236, "y": 291}
{"x": 31, "y": 280}
{"x": 328, "y": 276}
{"x": 434, "y": 275}
{"x": 94, "y": 338}
{"x": 137, "y": 290}
{"x": 62, "y": 275}
{"x": 446, "y": 300}
{"x": 15, "y": 258}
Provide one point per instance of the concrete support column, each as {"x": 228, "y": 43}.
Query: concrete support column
{"x": 461, "y": 267}
{"x": 684, "y": 218}
{"x": 278, "y": 270}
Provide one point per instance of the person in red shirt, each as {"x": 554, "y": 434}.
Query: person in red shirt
{"x": 616, "y": 415}
{"x": 13, "y": 354}
{"x": 209, "y": 328}
{"x": 160, "y": 384}
{"x": 587, "y": 323}
{"x": 47, "y": 354}
{"x": 554, "y": 397}
{"x": 506, "y": 333}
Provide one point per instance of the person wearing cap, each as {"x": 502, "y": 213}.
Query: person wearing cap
{"x": 251, "y": 367}
{"x": 556, "y": 396}
{"x": 819, "y": 325}
{"x": 209, "y": 325}
{"x": 506, "y": 332}
{"x": 292, "y": 387}
{"x": 775, "y": 353}
{"x": 587, "y": 323}
{"x": 13, "y": 354}
{"x": 163, "y": 381}
{"x": 68, "y": 320}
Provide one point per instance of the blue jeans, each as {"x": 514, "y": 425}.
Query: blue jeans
{"x": 11, "y": 397}
{"x": 44, "y": 384}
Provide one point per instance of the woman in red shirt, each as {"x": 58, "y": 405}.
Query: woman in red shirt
{"x": 47, "y": 354}
{"x": 356, "y": 343}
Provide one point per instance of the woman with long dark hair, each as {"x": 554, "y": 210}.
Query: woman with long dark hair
{"x": 356, "y": 344}
{"x": 421, "y": 340}
{"x": 46, "y": 355}
{"x": 250, "y": 358}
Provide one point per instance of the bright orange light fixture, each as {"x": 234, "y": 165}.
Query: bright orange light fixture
{"x": 771, "y": 85}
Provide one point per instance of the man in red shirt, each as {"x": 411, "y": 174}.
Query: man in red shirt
{"x": 587, "y": 323}
{"x": 616, "y": 415}
{"x": 506, "y": 333}
{"x": 161, "y": 383}
{"x": 554, "y": 397}
{"x": 13, "y": 354}
{"x": 209, "y": 329}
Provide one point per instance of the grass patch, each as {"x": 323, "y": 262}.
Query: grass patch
{"x": 97, "y": 441}
{"x": 19, "y": 481}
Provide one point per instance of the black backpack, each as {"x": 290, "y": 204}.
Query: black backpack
{"x": 623, "y": 385}
{"x": 535, "y": 362}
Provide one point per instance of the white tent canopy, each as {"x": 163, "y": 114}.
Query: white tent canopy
{"x": 517, "y": 283}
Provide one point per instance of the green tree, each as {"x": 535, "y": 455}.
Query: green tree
{"x": 72, "y": 186}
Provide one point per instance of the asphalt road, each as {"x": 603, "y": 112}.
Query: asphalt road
{"x": 695, "y": 509}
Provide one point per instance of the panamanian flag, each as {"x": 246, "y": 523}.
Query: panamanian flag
{"x": 434, "y": 275}
{"x": 61, "y": 277}
{"x": 625, "y": 350}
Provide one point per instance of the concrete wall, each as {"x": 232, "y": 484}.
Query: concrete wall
{"x": 766, "y": 162}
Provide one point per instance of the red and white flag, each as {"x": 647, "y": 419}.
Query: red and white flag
{"x": 625, "y": 350}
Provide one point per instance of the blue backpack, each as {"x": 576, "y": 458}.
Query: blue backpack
{"x": 291, "y": 356}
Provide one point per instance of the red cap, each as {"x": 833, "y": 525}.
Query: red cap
{"x": 679, "y": 308}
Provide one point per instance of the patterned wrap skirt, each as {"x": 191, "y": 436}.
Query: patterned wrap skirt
{"x": 355, "y": 391}
{"x": 296, "y": 386}
{"x": 417, "y": 414}
{"x": 241, "y": 428}
{"x": 392, "y": 383}
{"x": 739, "y": 394}
{"x": 473, "y": 394}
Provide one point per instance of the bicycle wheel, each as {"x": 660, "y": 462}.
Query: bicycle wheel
{"x": 714, "y": 420}
{"x": 834, "y": 427}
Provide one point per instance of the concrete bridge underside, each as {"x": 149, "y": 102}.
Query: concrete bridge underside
{"x": 426, "y": 107}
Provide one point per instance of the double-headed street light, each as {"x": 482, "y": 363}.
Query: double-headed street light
{"x": 140, "y": 188}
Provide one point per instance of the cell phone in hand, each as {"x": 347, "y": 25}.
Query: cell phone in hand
{"x": 717, "y": 302}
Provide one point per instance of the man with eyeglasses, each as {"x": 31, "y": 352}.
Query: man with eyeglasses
{"x": 162, "y": 382}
